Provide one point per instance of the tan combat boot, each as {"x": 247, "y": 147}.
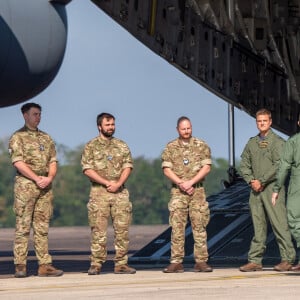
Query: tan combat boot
{"x": 49, "y": 271}
{"x": 202, "y": 267}
{"x": 283, "y": 267}
{"x": 174, "y": 268}
{"x": 251, "y": 267}
{"x": 124, "y": 269}
{"x": 94, "y": 270}
{"x": 20, "y": 271}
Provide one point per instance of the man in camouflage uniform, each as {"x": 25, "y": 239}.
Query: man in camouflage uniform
{"x": 186, "y": 161}
{"x": 290, "y": 165}
{"x": 258, "y": 167}
{"x": 107, "y": 162}
{"x": 33, "y": 154}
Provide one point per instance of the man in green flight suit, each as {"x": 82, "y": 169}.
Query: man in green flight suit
{"x": 260, "y": 159}
{"x": 290, "y": 163}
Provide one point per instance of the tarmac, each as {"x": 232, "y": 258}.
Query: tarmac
{"x": 69, "y": 247}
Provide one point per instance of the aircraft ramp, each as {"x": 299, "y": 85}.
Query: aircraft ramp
{"x": 229, "y": 233}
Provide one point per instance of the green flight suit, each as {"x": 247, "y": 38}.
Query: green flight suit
{"x": 290, "y": 162}
{"x": 260, "y": 159}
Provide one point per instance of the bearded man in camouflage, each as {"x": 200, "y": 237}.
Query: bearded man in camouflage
{"x": 33, "y": 154}
{"x": 186, "y": 161}
{"x": 107, "y": 162}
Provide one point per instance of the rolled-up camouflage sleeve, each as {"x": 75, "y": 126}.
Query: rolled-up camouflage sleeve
{"x": 205, "y": 149}
{"x": 87, "y": 161}
{"x": 166, "y": 158}
{"x": 128, "y": 161}
{"x": 53, "y": 157}
{"x": 15, "y": 149}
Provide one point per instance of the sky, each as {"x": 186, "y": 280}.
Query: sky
{"x": 106, "y": 69}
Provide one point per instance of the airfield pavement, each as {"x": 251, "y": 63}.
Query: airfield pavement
{"x": 69, "y": 247}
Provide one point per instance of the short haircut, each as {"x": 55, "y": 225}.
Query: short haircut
{"x": 182, "y": 118}
{"x": 102, "y": 116}
{"x": 26, "y": 107}
{"x": 263, "y": 111}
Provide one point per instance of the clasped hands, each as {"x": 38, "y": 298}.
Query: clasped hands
{"x": 43, "y": 181}
{"x": 258, "y": 187}
{"x": 186, "y": 187}
{"x": 112, "y": 186}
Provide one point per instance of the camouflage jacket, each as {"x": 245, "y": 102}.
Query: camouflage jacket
{"x": 186, "y": 160}
{"x": 35, "y": 148}
{"x": 107, "y": 157}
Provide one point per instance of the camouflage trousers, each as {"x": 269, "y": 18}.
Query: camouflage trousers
{"x": 32, "y": 207}
{"x": 103, "y": 205}
{"x": 196, "y": 207}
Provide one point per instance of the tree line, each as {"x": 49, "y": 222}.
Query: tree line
{"x": 149, "y": 189}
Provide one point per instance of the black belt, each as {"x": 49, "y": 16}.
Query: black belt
{"x": 100, "y": 184}
{"x": 36, "y": 172}
{"x": 196, "y": 185}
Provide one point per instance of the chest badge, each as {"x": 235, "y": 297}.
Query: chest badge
{"x": 185, "y": 161}
{"x": 263, "y": 144}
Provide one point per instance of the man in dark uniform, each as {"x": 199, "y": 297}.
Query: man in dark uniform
{"x": 33, "y": 154}
{"x": 186, "y": 161}
{"x": 258, "y": 167}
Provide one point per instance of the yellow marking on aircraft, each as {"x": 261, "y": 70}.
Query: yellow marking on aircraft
{"x": 153, "y": 17}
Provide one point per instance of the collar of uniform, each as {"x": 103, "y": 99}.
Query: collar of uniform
{"x": 104, "y": 141}
{"x": 266, "y": 137}
{"x": 182, "y": 144}
{"x": 25, "y": 128}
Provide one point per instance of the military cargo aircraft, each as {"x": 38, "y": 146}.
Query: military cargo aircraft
{"x": 246, "y": 52}
{"x": 33, "y": 37}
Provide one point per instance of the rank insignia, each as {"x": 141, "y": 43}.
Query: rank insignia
{"x": 263, "y": 144}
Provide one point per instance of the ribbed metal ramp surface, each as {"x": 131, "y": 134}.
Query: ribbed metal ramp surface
{"x": 229, "y": 233}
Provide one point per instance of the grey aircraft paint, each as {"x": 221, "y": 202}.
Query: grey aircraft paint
{"x": 33, "y": 35}
{"x": 245, "y": 52}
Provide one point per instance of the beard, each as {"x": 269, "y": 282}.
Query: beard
{"x": 186, "y": 136}
{"x": 108, "y": 134}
